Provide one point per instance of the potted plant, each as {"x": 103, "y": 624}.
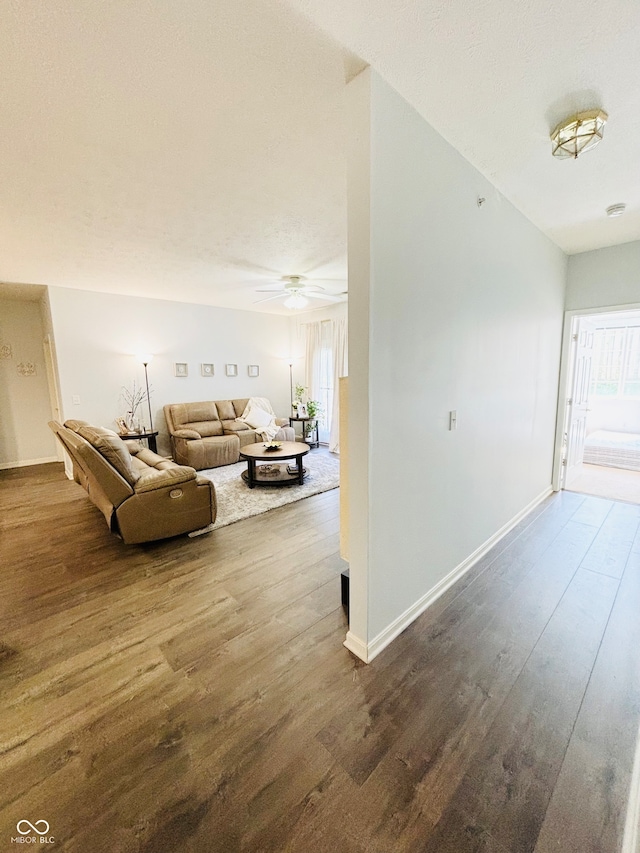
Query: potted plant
{"x": 314, "y": 410}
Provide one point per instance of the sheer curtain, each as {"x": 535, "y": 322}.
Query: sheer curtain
{"x": 340, "y": 355}
{"x": 326, "y": 361}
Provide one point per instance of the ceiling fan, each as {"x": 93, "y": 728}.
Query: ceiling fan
{"x": 296, "y": 293}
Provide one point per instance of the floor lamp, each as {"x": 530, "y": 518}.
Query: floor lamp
{"x": 145, "y": 359}
{"x": 290, "y": 386}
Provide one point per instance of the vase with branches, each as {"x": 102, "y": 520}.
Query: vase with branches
{"x": 132, "y": 398}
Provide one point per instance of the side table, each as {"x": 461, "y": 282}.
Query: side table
{"x": 311, "y": 438}
{"x": 150, "y": 436}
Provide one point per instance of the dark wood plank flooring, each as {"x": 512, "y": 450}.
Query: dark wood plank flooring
{"x": 194, "y": 695}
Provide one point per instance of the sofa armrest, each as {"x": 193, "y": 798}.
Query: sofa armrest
{"x": 186, "y": 433}
{"x": 154, "y": 479}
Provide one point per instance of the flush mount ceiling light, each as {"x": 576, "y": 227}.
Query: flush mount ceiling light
{"x": 578, "y": 134}
{"x": 616, "y": 209}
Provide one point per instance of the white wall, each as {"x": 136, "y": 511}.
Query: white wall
{"x": 462, "y": 309}
{"x": 604, "y": 278}
{"x": 98, "y": 334}
{"x": 25, "y": 407}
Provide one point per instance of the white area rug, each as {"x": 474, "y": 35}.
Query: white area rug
{"x": 236, "y": 500}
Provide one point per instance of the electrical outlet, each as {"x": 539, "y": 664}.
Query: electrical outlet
{"x": 76, "y": 399}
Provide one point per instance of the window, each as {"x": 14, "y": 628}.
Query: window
{"x": 326, "y": 359}
{"x": 631, "y": 387}
{"x": 323, "y": 391}
{"x": 616, "y": 363}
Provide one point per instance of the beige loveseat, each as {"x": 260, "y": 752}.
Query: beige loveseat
{"x": 142, "y": 496}
{"x": 208, "y": 434}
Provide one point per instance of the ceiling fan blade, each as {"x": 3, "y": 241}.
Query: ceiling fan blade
{"x": 278, "y": 289}
{"x": 329, "y": 297}
{"x": 269, "y": 298}
{"x": 309, "y": 288}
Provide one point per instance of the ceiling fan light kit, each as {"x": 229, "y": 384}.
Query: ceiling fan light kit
{"x": 296, "y": 293}
{"x": 577, "y": 134}
{"x": 296, "y": 300}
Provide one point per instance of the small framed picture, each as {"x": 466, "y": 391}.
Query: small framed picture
{"x": 181, "y": 368}
{"x": 206, "y": 369}
{"x": 302, "y": 410}
{"x": 231, "y": 369}
{"x": 253, "y": 370}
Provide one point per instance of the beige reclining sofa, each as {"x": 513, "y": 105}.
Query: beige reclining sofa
{"x": 206, "y": 435}
{"x": 142, "y": 496}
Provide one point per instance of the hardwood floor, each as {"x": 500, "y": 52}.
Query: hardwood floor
{"x": 194, "y": 695}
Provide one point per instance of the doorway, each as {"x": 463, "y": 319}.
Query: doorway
{"x": 28, "y": 388}
{"x": 600, "y": 449}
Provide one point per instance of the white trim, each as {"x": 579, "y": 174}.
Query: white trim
{"x": 367, "y": 652}
{"x": 23, "y": 463}
{"x": 630, "y": 837}
{"x": 563, "y": 395}
{"x": 357, "y": 646}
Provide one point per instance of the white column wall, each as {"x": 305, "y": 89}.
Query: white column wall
{"x": 464, "y": 312}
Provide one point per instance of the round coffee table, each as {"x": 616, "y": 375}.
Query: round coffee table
{"x": 273, "y": 473}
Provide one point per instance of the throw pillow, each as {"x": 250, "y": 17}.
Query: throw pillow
{"x": 258, "y": 418}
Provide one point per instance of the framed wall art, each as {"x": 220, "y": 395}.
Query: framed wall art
{"x": 206, "y": 369}
{"x": 231, "y": 369}
{"x": 181, "y": 368}
{"x": 253, "y": 370}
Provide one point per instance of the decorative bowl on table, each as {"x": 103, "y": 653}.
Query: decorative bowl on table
{"x": 273, "y": 445}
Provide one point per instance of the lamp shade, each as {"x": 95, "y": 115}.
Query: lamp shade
{"x": 578, "y": 134}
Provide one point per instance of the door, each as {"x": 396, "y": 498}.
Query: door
{"x": 50, "y": 367}
{"x": 583, "y": 340}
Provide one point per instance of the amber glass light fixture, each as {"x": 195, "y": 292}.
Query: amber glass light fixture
{"x": 578, "y": 134}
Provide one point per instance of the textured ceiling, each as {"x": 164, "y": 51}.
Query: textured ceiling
{"x": 495, "y": 77}
{"x": 184, "y": 151}
{"x": 195, "y": 150}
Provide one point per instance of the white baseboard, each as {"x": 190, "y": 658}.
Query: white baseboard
{"x": 368, "y": 651}
{"x": 24, "y": 462}
{"x": 357, "y": 646}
